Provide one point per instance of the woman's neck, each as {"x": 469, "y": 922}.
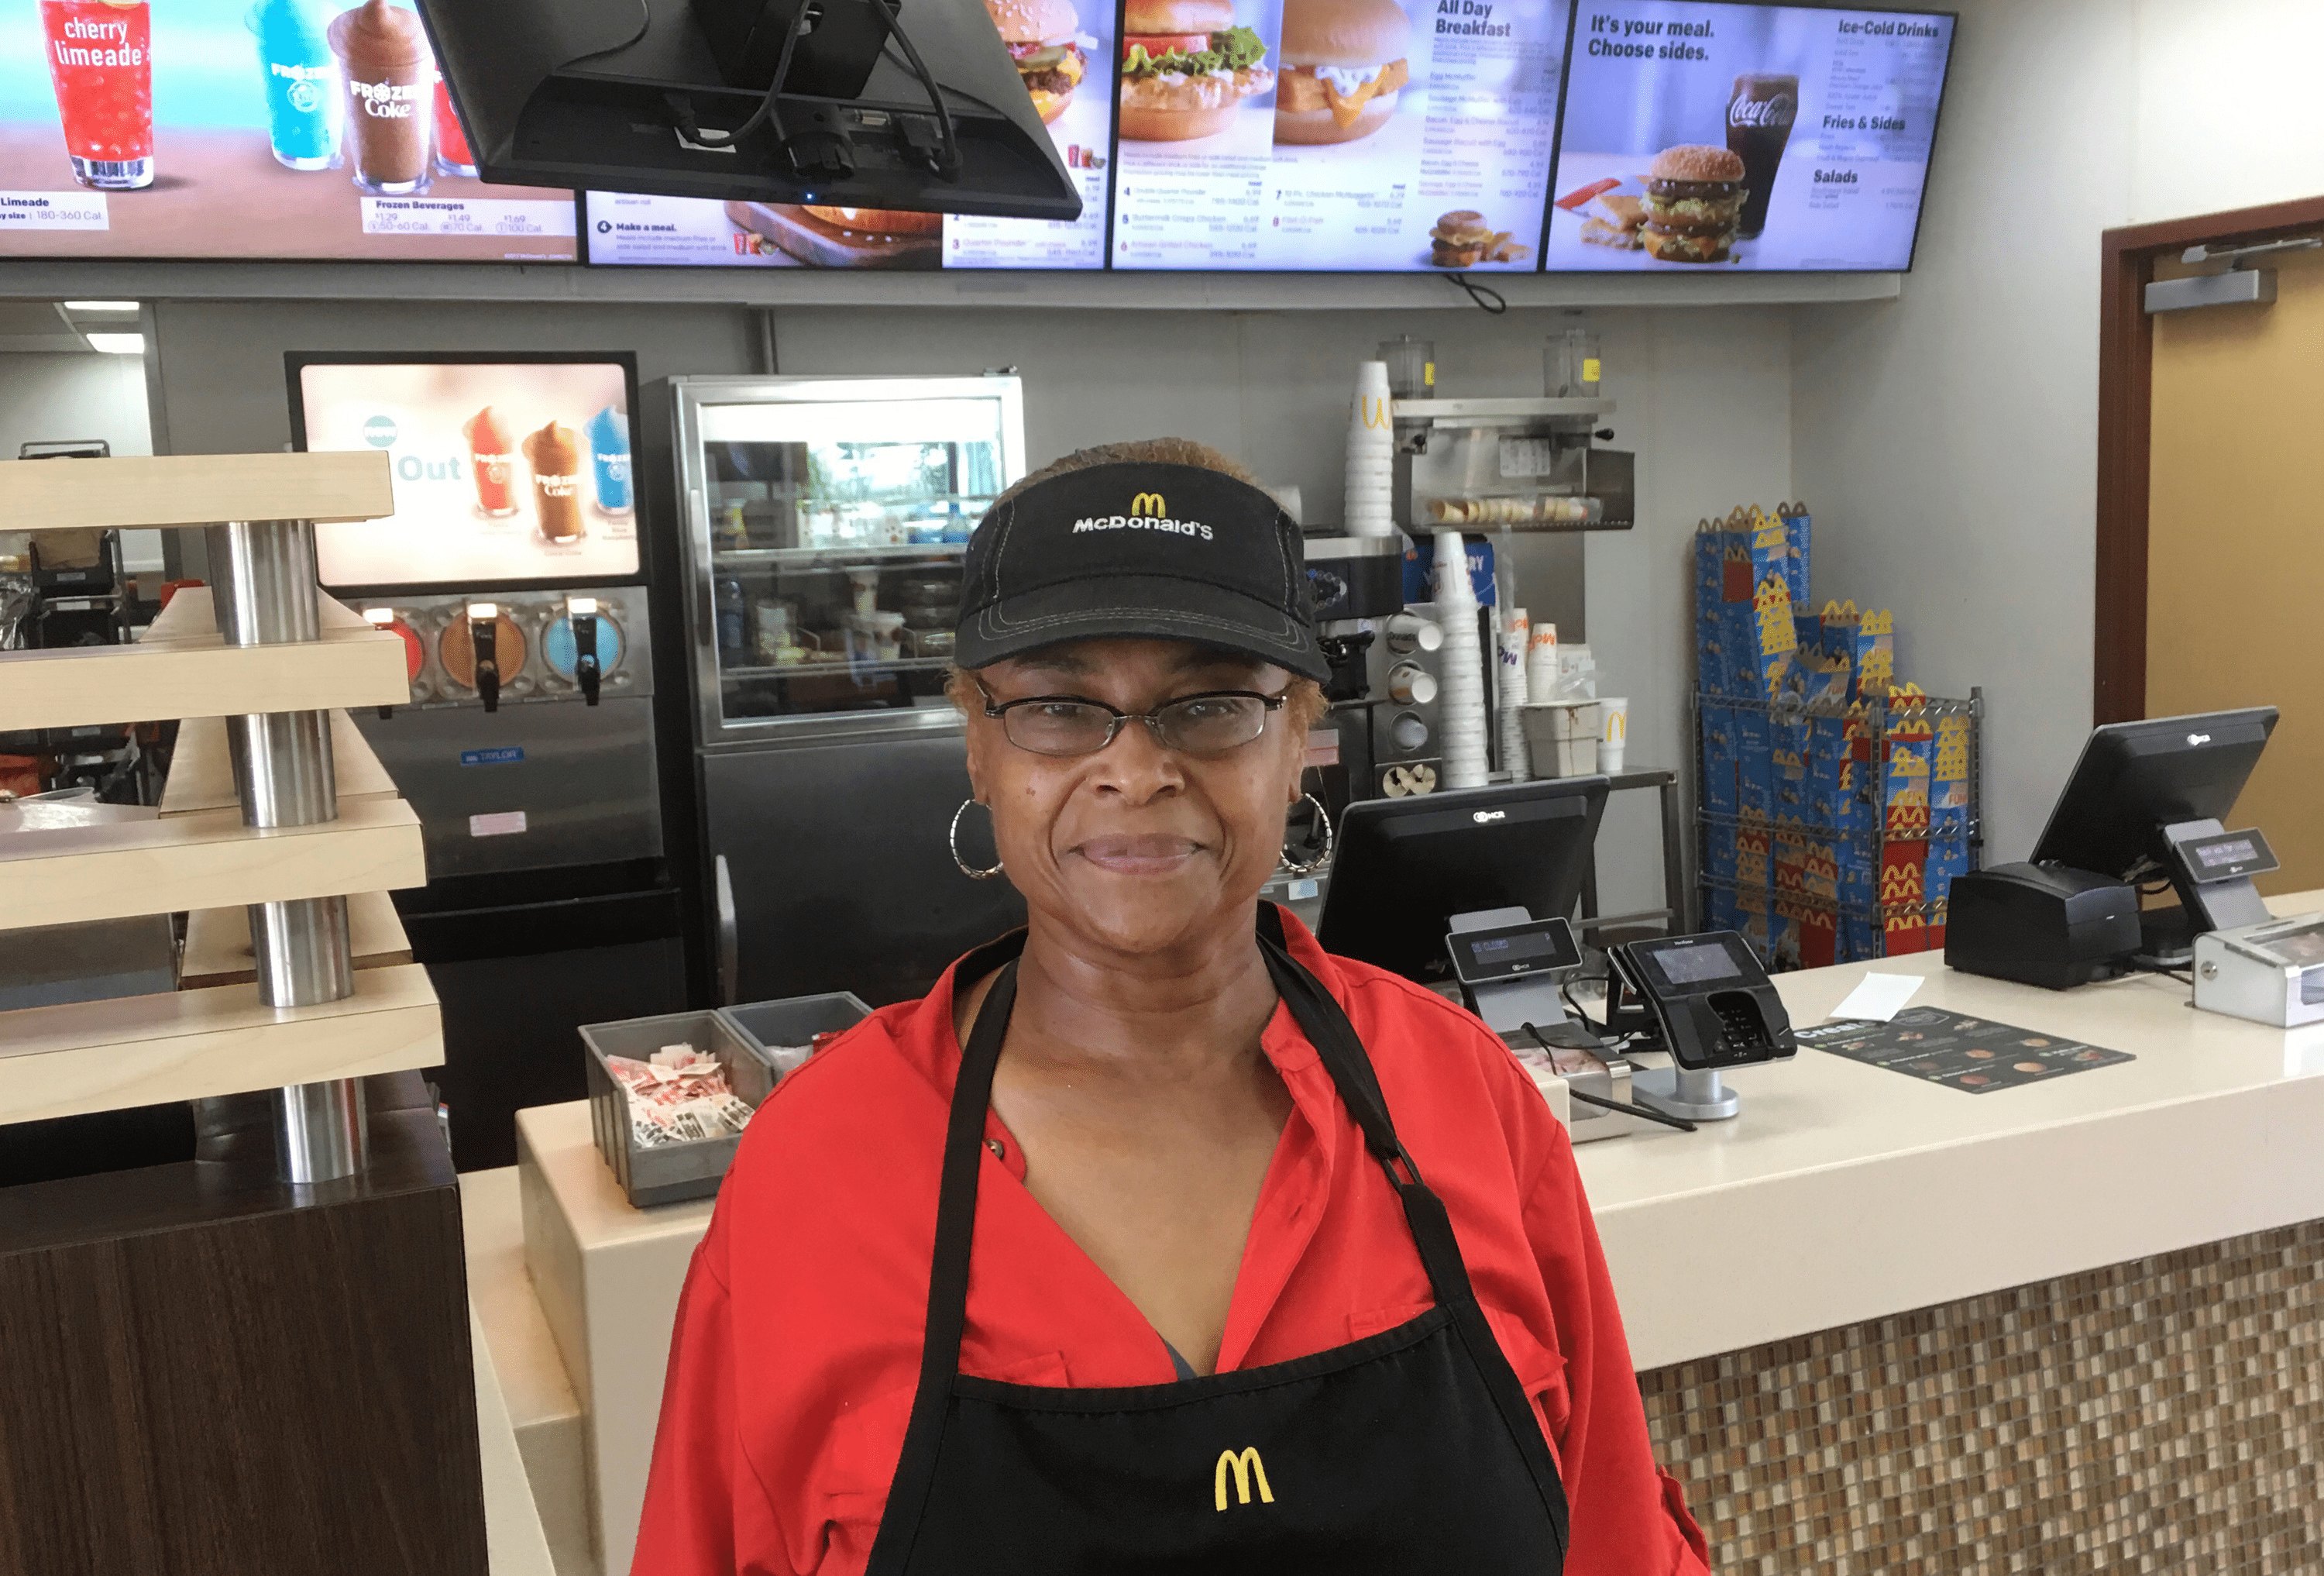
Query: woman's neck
{"x": 1175, "y": 1010}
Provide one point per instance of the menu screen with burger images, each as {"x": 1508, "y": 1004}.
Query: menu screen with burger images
{"x": 507, "y": 472}
{"x": 1703, "y": 135}
{"x": 1385, "y": 136}
{"x": 1060, "y": 47}
{"x": 244, "y": 129}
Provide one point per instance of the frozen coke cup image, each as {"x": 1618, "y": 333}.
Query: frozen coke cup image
{"x": 391, "y": 79}
{"x": 492, "y": 461}
{"x": 101, "y": 61}
{"x": 554, "y": 453}
{"x": 302, "y": 82}
{"x": 452, "y": 154}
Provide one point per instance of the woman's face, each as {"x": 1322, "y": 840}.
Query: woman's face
{"x": 1136, "y": 847}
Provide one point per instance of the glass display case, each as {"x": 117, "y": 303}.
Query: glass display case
{"x": 827, "y": 517}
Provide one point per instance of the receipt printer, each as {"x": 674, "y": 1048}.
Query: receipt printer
{"x": 2041, "y": 924}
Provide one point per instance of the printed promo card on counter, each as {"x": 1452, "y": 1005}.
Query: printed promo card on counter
{"x": 1702, "y": 135}
{"x": 1973, "y": 1054}
{"x": 1060, "y": 48}
{"x": 1360, "y": 135}
{"x": 296, "y": 129}
{"x": 503, "y": 471}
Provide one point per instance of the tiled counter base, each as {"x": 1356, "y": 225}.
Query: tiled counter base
{"x": 2163, "y": 1414}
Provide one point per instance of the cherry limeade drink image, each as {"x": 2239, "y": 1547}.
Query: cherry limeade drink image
{"x": 101, "y": 59}
{"x": 492, "y": 461}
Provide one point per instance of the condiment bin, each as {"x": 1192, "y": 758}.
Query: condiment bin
{"x": 766, "y": 1026}
{"x": 673, "y": 1173}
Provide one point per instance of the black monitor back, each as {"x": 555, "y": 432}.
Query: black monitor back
{"x": 2133, "y": 779}
{"x": 1404, "y": 867}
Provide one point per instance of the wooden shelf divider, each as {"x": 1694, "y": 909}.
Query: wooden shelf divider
{"x": 153, "y": 679}
{"x": 189, "y": 1045}
{"x": 206, "y": 860}
{"x": 202, "y": 772}
{"x": 145, "y": 492}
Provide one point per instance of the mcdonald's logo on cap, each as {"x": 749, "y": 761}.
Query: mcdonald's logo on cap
{"x": 1247, "y": 1467}
{"x": 1150, "y": 505}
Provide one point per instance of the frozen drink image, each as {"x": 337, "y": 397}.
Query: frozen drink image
{"x": 554, "y": 453}
{"x": 391, "y": 79}
{"x": 609, "y": 461}
{"x": 492, "y": 460}
{"x": 302, "y": 82}
{"x": 452, "y": 155}
{"x": 101, "y": 59}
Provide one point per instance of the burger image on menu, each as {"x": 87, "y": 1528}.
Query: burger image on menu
{"x": 842, "y": 238}
{"x": 1344, "y": 62}
{"x": 1040, "y": 36}
{"x": 1693, "y": 204}
{"x": 1187, "y": 68}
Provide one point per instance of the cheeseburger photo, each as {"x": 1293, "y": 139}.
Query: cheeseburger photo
{"x": 1694, "y": 203}
{"x": 1040, "y": 34}
{"x": 1186, "y": 69}
{"x": 1343, "y": 61}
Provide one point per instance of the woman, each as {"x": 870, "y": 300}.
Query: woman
{"x": 1154, "y": 1239}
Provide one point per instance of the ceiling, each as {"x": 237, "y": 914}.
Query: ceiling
{"x": 45, "y": 327}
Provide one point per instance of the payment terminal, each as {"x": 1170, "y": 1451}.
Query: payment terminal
{"x": 1713, "y": 1008}
{"x": 1511, "y": 966}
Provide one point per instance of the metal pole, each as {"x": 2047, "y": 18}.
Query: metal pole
{"x": 262, "y": 574}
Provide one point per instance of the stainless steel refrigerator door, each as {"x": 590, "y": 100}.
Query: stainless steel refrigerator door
{"x": 841, "y": 873}
{"x": 819, "y": 595}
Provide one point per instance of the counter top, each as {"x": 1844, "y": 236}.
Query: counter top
{"x": 1845, "y": 1191}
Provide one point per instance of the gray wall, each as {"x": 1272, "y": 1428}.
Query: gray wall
{"x": 1704, "y": 395}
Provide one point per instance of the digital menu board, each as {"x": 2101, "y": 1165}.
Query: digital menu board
{"x": 244, "y": 128}
{"x": 1060, "y": 48}
{"x": 504, "y": 471}
{"x": 1703, "y": 134}
{"x": 1335, "y": 135}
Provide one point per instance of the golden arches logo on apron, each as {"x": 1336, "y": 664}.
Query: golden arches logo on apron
{"x": 1247, "y": 1467}
{"x": 1148, "y": 505}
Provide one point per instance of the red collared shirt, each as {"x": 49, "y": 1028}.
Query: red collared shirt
{"x": 798, "y": 1344}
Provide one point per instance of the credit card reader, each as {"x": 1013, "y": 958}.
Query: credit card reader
{"x": 2271, "y": 974}
{"x": 1511, "y": 966}
{"x": 1713, "y": 1007}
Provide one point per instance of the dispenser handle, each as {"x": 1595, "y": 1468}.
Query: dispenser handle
{"x": 484, "y": 635}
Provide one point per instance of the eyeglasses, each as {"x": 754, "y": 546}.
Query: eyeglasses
{"x": 1209, "y": 723}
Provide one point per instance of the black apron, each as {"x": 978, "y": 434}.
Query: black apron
{"x": 1413, "y": 1451}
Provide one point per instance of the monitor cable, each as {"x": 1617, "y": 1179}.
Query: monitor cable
{"x": 1484, "y": 295}
{"x": 645, "y": 25}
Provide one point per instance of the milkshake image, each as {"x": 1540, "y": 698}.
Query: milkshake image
{"x": 303, "y": 101}
{"x": 554, "y": 453}
{"x": 101, "y": 59}
{"x": 609, "y": 461}
{"x": 492, "y": 461}
{"x": 452, "y": 155}
{"x": 391, "y": 79}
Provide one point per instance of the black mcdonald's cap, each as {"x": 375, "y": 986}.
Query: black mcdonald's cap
{"x": 1168, "y": 551}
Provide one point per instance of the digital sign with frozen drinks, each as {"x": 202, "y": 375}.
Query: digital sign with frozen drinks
{"x": 1702, "y": 135}
{"x": 503, "y": 471}
{"x": 245, "y": 129}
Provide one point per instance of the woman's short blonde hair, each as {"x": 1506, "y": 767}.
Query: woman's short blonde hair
{"x": 1303, "y": 701}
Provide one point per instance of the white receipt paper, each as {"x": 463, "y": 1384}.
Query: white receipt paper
{"x": 1876, "y": 999}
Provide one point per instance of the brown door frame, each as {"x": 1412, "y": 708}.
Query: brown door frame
{"x": 2125, "y": 411}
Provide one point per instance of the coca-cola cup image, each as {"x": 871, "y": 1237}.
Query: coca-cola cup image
{"x": 1760, "y": 118}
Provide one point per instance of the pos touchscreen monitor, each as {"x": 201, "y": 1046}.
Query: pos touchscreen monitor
{"x": 1405, "y": 867}
{"x": 2135, "y": 778}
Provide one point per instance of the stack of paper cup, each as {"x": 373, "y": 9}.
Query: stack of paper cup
{"x": 1509, "y": 692}
{"x": 1541, "y": 664}
{"x": 1371, "y": 454}
{"x": 1460, "y": 699}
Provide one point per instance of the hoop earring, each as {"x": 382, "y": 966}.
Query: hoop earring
{"x": 1323, "y": 854}
{"x": 966, "y": 868}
